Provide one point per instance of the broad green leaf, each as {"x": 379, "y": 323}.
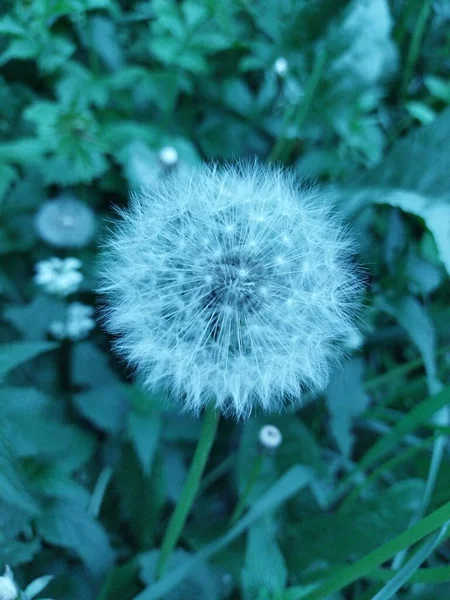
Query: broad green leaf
{"x": 414, "y": 318}
{"x": 346, "y": 400}
{"x": 105, "y": 406}
{"x": 68, "y": 525}
{"x": 15, "y": 353}
{"x": 265, "y": 568}
{"x": 144, "y": 431}
{"x": 364, "y": 566}
{"x": 361, "y": 526}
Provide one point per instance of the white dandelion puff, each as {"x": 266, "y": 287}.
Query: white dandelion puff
{"x": 281, "y": 66}
{"x": 65, "y": 222}
{"x": 232, "y": 285}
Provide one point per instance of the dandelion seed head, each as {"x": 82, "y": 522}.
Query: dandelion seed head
{"x": 219, "y": 287}
{"x": 65, "y": 222}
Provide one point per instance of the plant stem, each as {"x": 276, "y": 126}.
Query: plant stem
{"x": 414, "y": 46}
{"x": 253, "y": 476}
{"x": 190, "y": 488}
{"x": 283, "y": 146}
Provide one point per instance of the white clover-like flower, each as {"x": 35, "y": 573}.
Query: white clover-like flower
{"x": 281, "y": 66}
{"x": 59, "y": 276}
{"x": 232, "y": 285}
{"x": 65, "y": 222}
{"x": 8, "y": 587}
{"x": 78, "y": 324}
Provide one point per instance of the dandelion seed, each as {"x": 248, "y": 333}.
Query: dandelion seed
{"x": 65, "y": 222}
{"x": 8, "y": 587}
{"x": 229, "y": 331}
{"x": 58, "y": 276}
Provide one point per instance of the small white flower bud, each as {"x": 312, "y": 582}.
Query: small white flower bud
{"x": 78, "y": 324}
{"x": 270, "y": 437}
{"x": 65, "y": 222}
{"x": 8, "y": 588}
{"x": 57, "y": 276}
{"x": 168, "y": 156}
{"x": 280, "y": 66}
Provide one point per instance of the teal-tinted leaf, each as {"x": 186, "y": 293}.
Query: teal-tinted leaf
{"x": 105, "y": 406}
{"x": 12, "y": 478}
{"x": 68, "y": 525}
{"x": 202, "y": 583}
{"x": 144, "y": 431}
{"x": 265, "y": 568}
{"x": 105, "y": 41}
{"x": 413, "y": 317}
{"x": 36, "y": 586}
{"x": 15, "y": 353}
{"x": 23, "y": 316}
{"x": 7, "y": 176}
{"x": 421, "y": 111}
{"x": 286, "y": 487}
{"x": 19, "y": 49}
{"x": 438, "y": 87}
{"x": 348, "y": 534}
{"x": 346, "y": 400}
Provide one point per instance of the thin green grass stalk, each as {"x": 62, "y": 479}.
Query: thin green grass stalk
{"x": 397, "y": 460}
{"x": 190, "y": 488}
{"x": 221, "y": 469}
{"x": 414, "y": 46}
{"x": 405, "y": 574}
{"x": 364, "y": 566}
{"x": 98, "y": 494}
{"x": 252, "y": 479}
{"x": 283, "y": 146}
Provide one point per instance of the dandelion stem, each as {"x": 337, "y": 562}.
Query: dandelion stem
{"x": 190, "y": 489}
{"x": 253, "y": 477}
{"x": 284, "y": 146}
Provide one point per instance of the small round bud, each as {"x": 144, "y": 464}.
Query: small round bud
{"x": 280, "y": 66}
{"x": 168, "y": 156}
{"x": 65, "y": 222}
{"x": 58, "y": 276}
{"x": 77, "y": 325}
{"x": 270, "y": 437}
{"x": 8, "y": 588}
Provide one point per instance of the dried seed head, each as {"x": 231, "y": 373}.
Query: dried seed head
{"x": 230, "y": 283}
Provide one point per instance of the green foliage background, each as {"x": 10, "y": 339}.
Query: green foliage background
{"x": 90, "y": 91}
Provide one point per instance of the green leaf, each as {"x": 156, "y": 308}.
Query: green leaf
{"x": 105, "y": 406}
{"x": 15, "y": 353}
{"x": 144, "y": 431}
{"x": 265, "y": 568}
{"x": 413, "y": 317}
{"x": 286, "y": 487}
{"x": 36, "y": 586}
{"x": 68, "y": 525}
{"x": 7, "y": 176}
{"x": 408, "y": 423}
{"x": 363, "y": 524}
{"x": 346, "y": 400}
{"x": 202, "y": 583}
{"x": 368, "y": 563}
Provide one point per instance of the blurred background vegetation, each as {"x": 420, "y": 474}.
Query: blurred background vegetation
{"x": 100, "y": 97}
